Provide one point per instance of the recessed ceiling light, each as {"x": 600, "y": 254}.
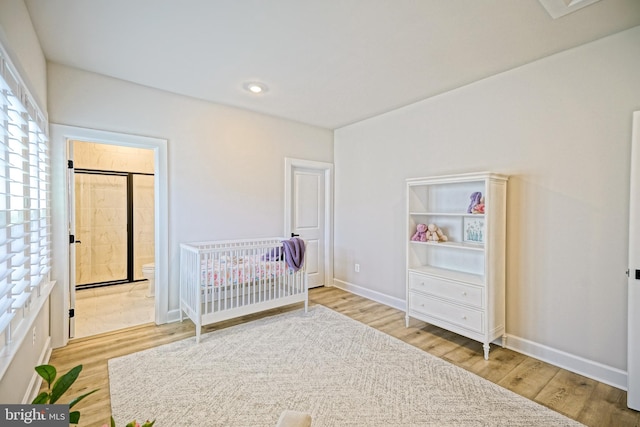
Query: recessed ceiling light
{"x": 255, "y": 87}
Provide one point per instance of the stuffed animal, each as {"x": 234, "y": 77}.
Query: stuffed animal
{"x": 479, "y": 208}
{"x": 434, "y": 234}
{"x": 421, "y": 233}
{"x": 475, "y": 200}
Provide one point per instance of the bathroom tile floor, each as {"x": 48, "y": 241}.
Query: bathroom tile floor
{"x": 111, "y": 308}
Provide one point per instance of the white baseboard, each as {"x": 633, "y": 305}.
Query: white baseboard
{"x": 589, "y": 368}
{"x": 579, "y": 365}
{"x": 376, "y": 296}
{"x": 173, "y": 316}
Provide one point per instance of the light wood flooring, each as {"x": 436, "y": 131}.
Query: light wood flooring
{"x": 583, "y": 399}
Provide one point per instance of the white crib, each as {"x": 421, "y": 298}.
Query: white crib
{"x": 221, "y": 280}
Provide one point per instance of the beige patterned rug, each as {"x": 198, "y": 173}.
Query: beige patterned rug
{"x": 342, "y": 372}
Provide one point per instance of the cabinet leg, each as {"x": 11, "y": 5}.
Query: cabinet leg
{"x": 486, "y": 351}
{"x": 504, "y": 341}
{"x": 406, "y": 321}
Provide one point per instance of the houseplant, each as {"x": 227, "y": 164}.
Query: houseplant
{"x": 56, "y": 388}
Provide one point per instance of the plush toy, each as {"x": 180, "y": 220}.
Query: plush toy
{"x": 479, "y": 208}
{"x": 421, "y": 233}
{"x": 475, "y": 200}
{"x": 434, "y": 234}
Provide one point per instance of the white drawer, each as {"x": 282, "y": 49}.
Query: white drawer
{"x": 462, "y": 316}
{"x": 459, "y": 292}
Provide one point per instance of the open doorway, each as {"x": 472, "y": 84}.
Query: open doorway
{"x": 62, "y": 306}
{"x": 112, "y": 256}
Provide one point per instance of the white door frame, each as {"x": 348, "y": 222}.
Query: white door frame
{"x": 59, "y": 135}
{"x": 633, "y": 286}
{"x": 71, "y": 224}
{"x": 327, "y": 168}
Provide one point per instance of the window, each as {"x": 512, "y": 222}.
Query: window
{"x": 25, "y": 213}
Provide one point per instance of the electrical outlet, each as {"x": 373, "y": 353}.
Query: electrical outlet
{"x": 357, "y": 268}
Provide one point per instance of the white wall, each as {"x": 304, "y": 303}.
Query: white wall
{"x": 19, "y": 39}
{"x": 561, "y": 127}
{"x": 226, "y": 165}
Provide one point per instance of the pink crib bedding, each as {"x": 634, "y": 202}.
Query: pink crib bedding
{"x": 234, "y": 270}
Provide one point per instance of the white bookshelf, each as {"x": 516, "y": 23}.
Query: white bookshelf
{"x": 459, "y": 284}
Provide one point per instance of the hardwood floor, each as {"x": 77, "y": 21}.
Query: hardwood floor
{"x": 583, "y": 399}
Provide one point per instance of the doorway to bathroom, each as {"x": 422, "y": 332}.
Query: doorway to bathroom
{"x": 113, "y": 236}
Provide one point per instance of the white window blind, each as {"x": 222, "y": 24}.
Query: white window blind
{"x": 25, "y": 214}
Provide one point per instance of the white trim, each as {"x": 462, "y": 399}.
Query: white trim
{"x": 589, "y": 368}
{"x": 633, "y": 287}
{"x": 398, "y": 303}
{"x": 173, "y": 316}
{"x": 327, "y": 168}
{"x": 59, "y": 135}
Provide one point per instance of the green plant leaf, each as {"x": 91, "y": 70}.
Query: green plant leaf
{"x": 64, "y": 382}
{"x": 131, "y": 424}
{"x": 113, "y": 422}
{"x": 48, "y": 373}
{"x": 79, "y": 398}
{"x": 41, "y": 399}
{"x": 149, "y": 423}
{"x": 74, "y": 417}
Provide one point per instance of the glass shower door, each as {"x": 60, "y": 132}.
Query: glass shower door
{"x": 101, "y": 228}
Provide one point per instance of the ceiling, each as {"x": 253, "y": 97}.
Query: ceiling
{"x": 327, "y": 63}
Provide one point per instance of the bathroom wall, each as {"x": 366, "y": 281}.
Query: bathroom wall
{"x": 91, "y": 155}
{"x": 143, "y": 223}
{"x": 101, "y": 211}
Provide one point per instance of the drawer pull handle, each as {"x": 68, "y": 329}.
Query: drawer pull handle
{"x": 464, "y": 294}
{"x": 464, "y": 317}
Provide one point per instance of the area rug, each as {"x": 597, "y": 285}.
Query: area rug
{"x": 340, "y": 371}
